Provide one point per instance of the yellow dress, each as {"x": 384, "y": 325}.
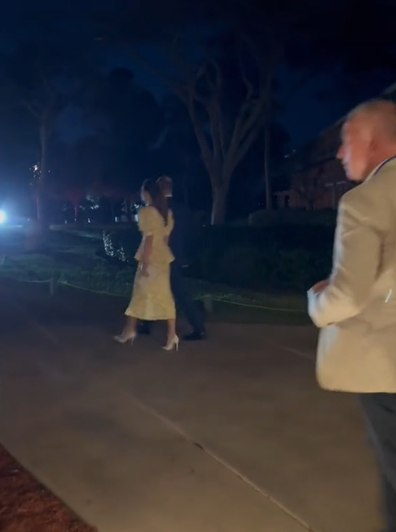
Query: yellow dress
{"x": 152, "y": 297}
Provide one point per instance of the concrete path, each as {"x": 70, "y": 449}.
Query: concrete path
{"x": 228, "y": 435}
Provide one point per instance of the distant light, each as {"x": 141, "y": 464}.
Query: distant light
{"x": 3, "y": 217}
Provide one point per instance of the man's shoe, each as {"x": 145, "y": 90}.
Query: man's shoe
{"x": 195, "y": 336}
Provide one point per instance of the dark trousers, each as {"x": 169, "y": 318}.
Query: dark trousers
{"x": 380, "y": 411}
{"x": 183, "y": 299}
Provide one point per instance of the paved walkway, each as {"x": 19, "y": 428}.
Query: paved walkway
{"x": 230, "y": 435}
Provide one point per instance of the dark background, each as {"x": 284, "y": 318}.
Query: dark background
{"x": 127, "y": 123}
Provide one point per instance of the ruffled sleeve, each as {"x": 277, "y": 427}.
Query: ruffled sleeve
{"x": 148, "y": 221}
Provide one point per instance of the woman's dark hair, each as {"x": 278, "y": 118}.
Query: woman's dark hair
{"x": 158, "y": 200}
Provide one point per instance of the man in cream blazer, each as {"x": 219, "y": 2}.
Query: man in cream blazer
{"x": 356, "y": 307}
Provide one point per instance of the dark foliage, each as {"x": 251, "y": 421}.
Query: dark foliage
{"x": 281, "y": 257}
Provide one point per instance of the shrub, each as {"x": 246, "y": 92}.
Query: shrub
{"x": 121, "y": 245}
{"x": 293, "y": 269}
{"x": 284, "y": 236}
{"x": 240, "y": 266}
{"x": 264, "y": 218}
{"x": 283, "y": 257}
{"x": 271, "y": 269}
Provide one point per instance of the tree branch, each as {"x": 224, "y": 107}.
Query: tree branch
{"x": 46, "y": 84}
{"x": 247, "y": 143}
{"x": 248, "y": 118}
{"x": 251, "y": 108}
{"x": 298, "y": 85}
{"x": 175, "y": 87}
{"x": 184, "y": 67}
{"x": 207, "y": 155}
{"x": 33, "y": 109}
{"x": 248, "y": 84}
{"x": 214, "y": 109}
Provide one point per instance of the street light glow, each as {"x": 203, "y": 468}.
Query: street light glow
{"x": 3, "y": 217}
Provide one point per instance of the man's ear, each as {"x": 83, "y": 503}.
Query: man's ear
{"x": 373, "y": 145}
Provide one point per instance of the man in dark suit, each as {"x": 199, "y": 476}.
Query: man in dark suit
{"x": 180, "y": 240}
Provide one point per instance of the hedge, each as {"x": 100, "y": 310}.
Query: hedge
{"x": 252, "y": 268}
{"x": 265, "y": 218}
{"x": 282, "y": 257}
{"x": 121, "y": 245}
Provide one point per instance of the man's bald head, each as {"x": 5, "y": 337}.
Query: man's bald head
{"x": 379, "y": 115}
{"x": 368, "y": 138}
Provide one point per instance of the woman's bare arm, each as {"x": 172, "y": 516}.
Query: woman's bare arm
{"x": 146, "y": 252}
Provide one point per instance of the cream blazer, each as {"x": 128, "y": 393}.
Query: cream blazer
{"x": 356, "y": 313}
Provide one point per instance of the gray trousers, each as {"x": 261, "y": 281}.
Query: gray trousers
{"x": 380, "y": 411}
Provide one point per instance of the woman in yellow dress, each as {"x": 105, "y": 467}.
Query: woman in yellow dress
{"x": 152, "y": 298}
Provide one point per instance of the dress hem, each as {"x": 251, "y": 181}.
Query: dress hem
{"x": 149, "y": 318}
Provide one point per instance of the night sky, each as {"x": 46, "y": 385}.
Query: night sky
{"x": 308, "y": 113}
{"x": 304, "y": 118}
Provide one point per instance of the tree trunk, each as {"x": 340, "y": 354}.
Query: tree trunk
{"x": 112, "y": 208}
{"x": 41, "y": 197}
{"x": 267, "y": 165}
{"x": 267, "y": 136}
{"x": 75, "y": 208}
{"x": 127, "y": 206}
{"x": 219, "y": 204}
{"x": 41, "y": 208}
{"x": 38, "y": 229}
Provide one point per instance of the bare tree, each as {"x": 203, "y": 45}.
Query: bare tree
{"x": 203, "y": 89}
{"x": 265, "y": 39}
{"x": 44, "y": 76}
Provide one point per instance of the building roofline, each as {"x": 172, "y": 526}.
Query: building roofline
{"x": 388, "y": 90}
{"x": 385, "y": 92}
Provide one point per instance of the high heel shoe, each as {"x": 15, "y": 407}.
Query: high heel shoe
{"x": 125, "y": 338}
{"x": 172, "y": 344}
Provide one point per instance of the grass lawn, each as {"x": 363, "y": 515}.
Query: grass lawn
{"x": 233, "y": 313}
{"x": 72, "y": 259}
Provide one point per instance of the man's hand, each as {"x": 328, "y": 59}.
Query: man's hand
{"x": 320, "y": 286}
